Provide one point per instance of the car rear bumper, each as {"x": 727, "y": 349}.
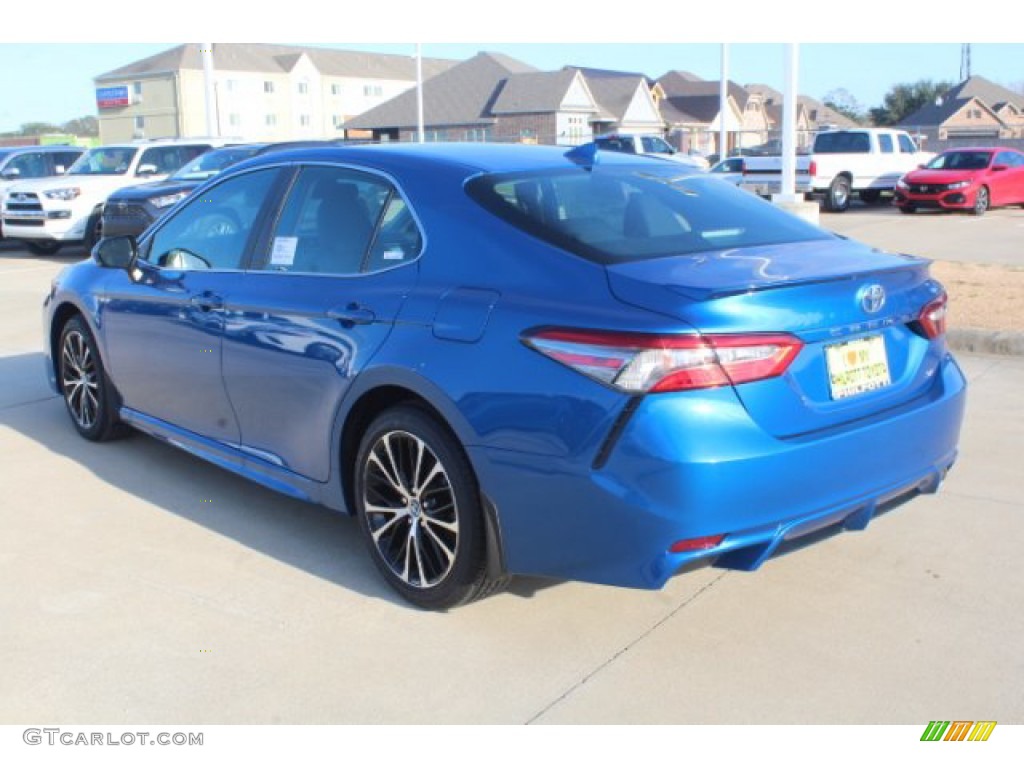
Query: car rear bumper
{"x": 687, "y": 466}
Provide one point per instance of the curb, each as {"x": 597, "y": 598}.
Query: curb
{"x": 986, "y": 342}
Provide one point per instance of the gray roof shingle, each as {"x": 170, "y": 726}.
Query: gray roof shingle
{"x": 462, "y": 95}
{"x": 262, "y": 57}
{"x": 533, "y": 92}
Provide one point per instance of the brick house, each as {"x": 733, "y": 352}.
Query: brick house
{"x": 975, "y": 110}
{"x": 493, "y": 97}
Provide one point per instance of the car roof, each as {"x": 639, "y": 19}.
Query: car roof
{"x": 979, "y": 149}
{"x": 40, "y": 148}
{"x": 471, "y": 156}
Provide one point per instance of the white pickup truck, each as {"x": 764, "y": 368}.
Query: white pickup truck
{"x": 867, "y": 161}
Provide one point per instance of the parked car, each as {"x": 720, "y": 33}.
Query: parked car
{"x": 21, "y": 163}
{"x": 509, "y": 360}
{"x": 866, "y": 161}
{"x": 129, "y": 210}
{"x": 46, "y": 213}
{"x": 967, "y": 179}
{"x": 645, "y": 144}
{"x": 730, "y": 170}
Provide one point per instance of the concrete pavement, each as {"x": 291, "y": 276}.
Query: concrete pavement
{"x": 145, "y": 586}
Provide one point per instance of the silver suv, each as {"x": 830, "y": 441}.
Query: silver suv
{"x": 21, "y": 163}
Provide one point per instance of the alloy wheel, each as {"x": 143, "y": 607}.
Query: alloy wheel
{"x": 410, "y": 508}
{"x": 80, "y": 380}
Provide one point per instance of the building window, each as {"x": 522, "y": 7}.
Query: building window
{"x": 335, "y": 89}
{"x": 140, "y": 123}
{"x": 268, "y": 86}
{"x": 270, "y": 121}
{"x": 337, "y": 120}
{"x": 231, "y": 86}
{"x": 303, "y": 88}
{"x": 234, "y": 119}
{"x": 372, "y": 90}
{"x": 137, "y": 89}
{"x": 304, "y": 121}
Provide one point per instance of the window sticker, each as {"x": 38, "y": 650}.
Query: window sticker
{"x": 283, "y": 252}
{"x": 394, "y": 254}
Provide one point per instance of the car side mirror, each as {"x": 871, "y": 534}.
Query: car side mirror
{"x": 999, "y": 167}
{"x": 11, "y": 173}
{"x": 146, "y": 170}
{"x": 116, "y": 252}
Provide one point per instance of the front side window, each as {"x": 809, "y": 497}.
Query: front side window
{"x": 338, "y": 221}
{"x": 885, "y": 143}
{"x": 212, "y": 230}
{"x": 629, "y": 213}
{"x": 104, "y": 161}
{"x": 907, "y": 144}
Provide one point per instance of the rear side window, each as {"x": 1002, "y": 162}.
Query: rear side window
{"x": 621, "y": 214}
{"x": 339, "y": 221}
{"x": 885, "y": 143}
{"x": 616, "y": 144}
{"x": 842, "y": 141}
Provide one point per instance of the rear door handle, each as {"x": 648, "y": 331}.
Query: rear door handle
{"x": 352, "y": 314}
{"x": 207, "y": 301}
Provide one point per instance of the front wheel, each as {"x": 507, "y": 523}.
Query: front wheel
{"x": 419, "y": 510}
{"x": 87, "y": 392}
{"x": 981, "y": 202}
{"x": 93, "y": 231}
{"x": 837, "y": 199}
{"x": 43, "y": 247}
{"x": 909, "y": 208}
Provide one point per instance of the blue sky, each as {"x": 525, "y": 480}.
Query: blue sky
{"x": 52, "y": 81}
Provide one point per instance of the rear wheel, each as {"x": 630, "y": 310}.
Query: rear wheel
{"x": 87, "y": 392}
{"x": 419, "y": 510}
{"x": 43, "y": 247}
{"x": 981, "y": 202}
{"x": 837, "y": 199}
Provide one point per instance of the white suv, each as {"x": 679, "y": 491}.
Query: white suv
{"x": 46, "y": 213}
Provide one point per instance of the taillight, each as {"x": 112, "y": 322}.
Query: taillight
{"x": 639, "y": 363}
{"x": 933, "y": 317}
{"x": 812, "y": 169}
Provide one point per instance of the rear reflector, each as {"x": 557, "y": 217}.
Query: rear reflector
{"x": 639, "y": 363}
{"x": 696, "y": 545}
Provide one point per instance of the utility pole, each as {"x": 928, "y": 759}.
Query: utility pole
{"x": 965, "y": 62}
{"x": 212, "y": 123}
{"x": 420, "y": 133}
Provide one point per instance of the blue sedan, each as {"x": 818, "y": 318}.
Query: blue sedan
{"x": 518, "y": 360}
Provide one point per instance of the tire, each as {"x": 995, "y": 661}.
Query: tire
{"x": 982, "y": 202}
{"x": 43, "y": 247}
{"x": 93, "y": 231}
{"x": 419, "y": 510}
{"x": 88, "y": 393}
{"x": 907, "y": 208}
{"x": 870, "y": 196}
{"x": 837, "y": 199}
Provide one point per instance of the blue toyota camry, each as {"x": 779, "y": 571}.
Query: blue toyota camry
{"x": 518, "y": 360}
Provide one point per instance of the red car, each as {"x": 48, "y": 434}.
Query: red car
{"x": 969, "y": 178}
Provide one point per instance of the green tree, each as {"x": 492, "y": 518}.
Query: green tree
{"x": 87, "y": 125}
{"x": 903, "y": 99}
{"x": 35, "y": 129}
{"x": 843, "y": 102}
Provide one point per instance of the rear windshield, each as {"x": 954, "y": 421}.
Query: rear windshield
{"x": 965, "y": 161}
{"x": 842, "y": 141}
{"x": 618, "y": 214}
{"x": 213, "y": 162}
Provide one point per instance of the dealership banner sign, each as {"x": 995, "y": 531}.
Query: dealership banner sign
{"x": 115, "y": 96}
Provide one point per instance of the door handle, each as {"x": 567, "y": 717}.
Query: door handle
{"x": 352, "y": 314}
{"x": 207, "y": 301}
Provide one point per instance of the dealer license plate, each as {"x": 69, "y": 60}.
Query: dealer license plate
{"x": 857, "y": 366}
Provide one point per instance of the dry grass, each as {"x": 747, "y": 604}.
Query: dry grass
{"x": 984, "y": 296}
